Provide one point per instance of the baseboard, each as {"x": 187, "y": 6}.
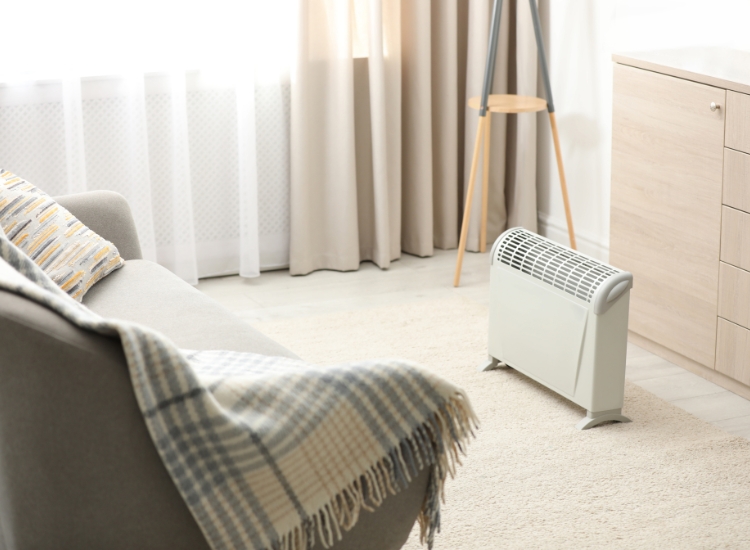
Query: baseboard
{"x": 557, "y": 230}
{"x": 688, "y": 364}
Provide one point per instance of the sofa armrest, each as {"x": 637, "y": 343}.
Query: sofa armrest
{"x": 108, "y": 214}
{"x": 78, "y": 468}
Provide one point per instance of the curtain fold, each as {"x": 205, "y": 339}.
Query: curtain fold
{"x": 446, "y": 137}
{"x": 383, "y": 73}
{"x": 380, "y": 159}
{"x": 132, "y": 149}
{"x": 520, "y": 185}
{"x": 75, "y": 157}
{"x": 416, "y": 129}
{"x": 181, "y": 256}
{"x": 247, "y": 177}
{"x": 324, "y": 230}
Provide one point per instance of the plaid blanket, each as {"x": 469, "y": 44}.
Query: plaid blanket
{"x": 274, "y": 453}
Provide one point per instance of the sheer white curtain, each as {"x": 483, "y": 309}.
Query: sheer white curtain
{"x": 183, "y": 107}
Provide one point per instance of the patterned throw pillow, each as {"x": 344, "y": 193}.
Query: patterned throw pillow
{"x": 69, "y": 252}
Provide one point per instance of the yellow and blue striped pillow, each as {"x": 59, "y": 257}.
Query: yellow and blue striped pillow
{"x": 69, "y": 252}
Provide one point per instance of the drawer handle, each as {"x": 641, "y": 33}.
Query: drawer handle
{"x": 715, "y": 106}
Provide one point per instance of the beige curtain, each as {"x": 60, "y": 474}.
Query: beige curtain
{"x": 380, "y": 130}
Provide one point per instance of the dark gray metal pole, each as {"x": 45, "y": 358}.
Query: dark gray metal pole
{"x": 542, "y": 55}
{"x": 489, "y": 70}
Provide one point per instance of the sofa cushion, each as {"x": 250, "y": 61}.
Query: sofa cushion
{"x": 146, "y": 293}
{"x": 73, "y": 255}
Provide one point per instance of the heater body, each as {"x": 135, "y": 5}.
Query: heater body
{"x": 561, "y": 318}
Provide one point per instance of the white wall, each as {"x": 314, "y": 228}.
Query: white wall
{"x": 583, "y": 34}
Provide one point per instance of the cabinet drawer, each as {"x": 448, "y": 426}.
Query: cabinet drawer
{"x": 735, "y": 237}
{"x": 737, "y": 134}
{"x": 734, "y": 294}
{"x": 736, "y": 180}
{"x": 733, "y": 351}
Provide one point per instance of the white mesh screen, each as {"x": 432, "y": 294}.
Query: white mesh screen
{"x": 138, "y": 161}
{"x": 32, "y": 143}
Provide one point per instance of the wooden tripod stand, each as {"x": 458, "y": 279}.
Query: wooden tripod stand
{"x": 506, "y": 104}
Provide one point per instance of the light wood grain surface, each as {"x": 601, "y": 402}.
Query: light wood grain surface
{"x": 738, "y": 121}
{"x": 722, "y": 67}
{"x": 734, "y": 294}
{"x": 735, "y": 238}
{"x": 737, "y": 179}
{"x": 667, "y": 162}
{"x": 733, "y": 351}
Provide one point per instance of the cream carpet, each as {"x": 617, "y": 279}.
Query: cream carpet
{"x": 530, "y": 479}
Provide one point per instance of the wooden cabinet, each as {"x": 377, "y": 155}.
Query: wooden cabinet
{"x": 667, "y": 163}
{"x": 680, "y": 207}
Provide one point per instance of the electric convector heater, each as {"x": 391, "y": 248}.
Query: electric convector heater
{"x": 561, "y": 318}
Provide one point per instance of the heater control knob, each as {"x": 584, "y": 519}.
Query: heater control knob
{"x": 715, "y": 106}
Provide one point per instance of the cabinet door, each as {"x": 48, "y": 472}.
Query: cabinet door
{"x": 667, "y": 158}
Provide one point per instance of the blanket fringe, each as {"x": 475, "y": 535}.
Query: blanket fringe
{"x": 437, "y": 443}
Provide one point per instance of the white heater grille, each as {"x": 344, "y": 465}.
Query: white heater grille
{"x": 574, "y": 273}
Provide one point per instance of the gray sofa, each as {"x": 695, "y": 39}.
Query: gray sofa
{"x": 78, "y": 469}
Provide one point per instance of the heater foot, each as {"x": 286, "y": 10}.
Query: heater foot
{"x": 595, "y": 418}
{"x": 491, "y": 364}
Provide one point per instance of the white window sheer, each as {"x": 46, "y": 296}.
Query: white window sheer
{"x": 183, "y": 107}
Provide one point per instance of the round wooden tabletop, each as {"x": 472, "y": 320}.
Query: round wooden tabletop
{"x": 504, "y": 103}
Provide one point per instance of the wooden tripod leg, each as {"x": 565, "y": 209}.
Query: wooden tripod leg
{"x": 469, "y": 197}
{"x": 563, "y": 184}
{"x": 485, "y": 184}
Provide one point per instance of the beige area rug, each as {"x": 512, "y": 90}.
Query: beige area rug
{"x": 530, "y": 479}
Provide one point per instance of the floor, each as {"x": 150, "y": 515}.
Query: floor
{"x": 277, "y": 295}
